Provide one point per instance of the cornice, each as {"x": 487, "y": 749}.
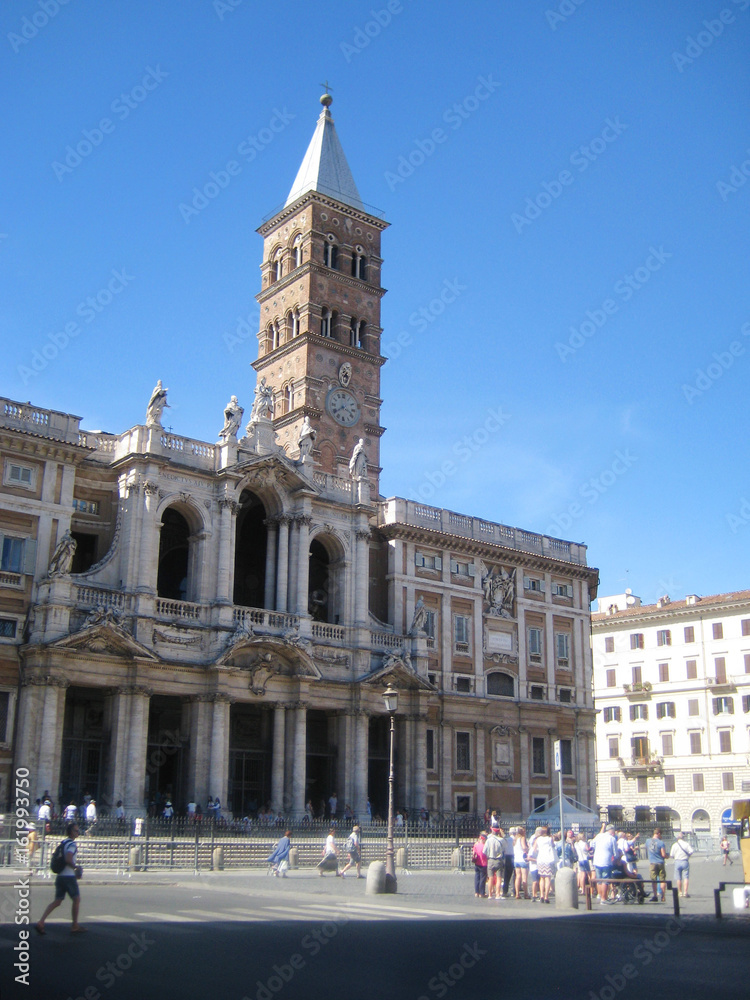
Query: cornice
{"x": 310, "y": 268}
{"x": 670, "y": 612}
{"x": 315, "y": 340}
{"x": 268, "y": 225}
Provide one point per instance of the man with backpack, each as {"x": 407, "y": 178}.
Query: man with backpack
{"x": 63, "y": 864}
{"x": 354, "y": 851}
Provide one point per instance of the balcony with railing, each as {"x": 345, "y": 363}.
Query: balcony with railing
{"x": 641, "y": 766}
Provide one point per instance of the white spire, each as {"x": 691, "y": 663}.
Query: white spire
{"x": 324, "y": 168}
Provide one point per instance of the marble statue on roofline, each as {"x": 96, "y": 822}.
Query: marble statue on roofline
{"x": 156, "y": 405}
{"x": 232, "y": 420}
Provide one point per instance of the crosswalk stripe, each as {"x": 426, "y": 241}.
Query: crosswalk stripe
{"x": 111, "y": 918}
{"x": 170, "y": 917}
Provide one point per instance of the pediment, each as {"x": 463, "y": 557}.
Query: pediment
{"x": 269, "y": 470}
{"x": 397, "y": 669}
{"x": 106, "y": 638}
{"x": 263, "y": 656}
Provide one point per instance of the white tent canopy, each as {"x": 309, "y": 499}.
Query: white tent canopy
{"x": 573, "y": 812}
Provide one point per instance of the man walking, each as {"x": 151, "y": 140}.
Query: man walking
{"x": 495, "y": 854}
{"x": 657, "y": 856}
{"x": 66, "y": 883}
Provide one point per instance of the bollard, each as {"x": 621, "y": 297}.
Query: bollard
{"x": 135, "y": 859}
{"x": 566, "y": 890}
{"x": 294, "y": 857}
{"x": 457, "y": 858}
{"x": 218, "y": 857}
{"x": 375, "y": 878}
{"x": 402, "y": 857}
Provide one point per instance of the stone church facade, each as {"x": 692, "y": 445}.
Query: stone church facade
{"x": 188, "y": 618}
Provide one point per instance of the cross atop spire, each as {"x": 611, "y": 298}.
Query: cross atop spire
{"x": 324, "y": 168}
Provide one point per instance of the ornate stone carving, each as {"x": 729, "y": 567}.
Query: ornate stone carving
{"x": 159, "y": 635}
{"x": 502, "y": 730}
{"x": 102, "y": 615}
{"x": 419, "y": 619}
{"x": 156, "y": 405}
{"x": 499, "y": 590}
{"x": 150, "y": 489}
{"x": 232, "y": 420}
{"x": 502, "y": 774}
{"x": 45, "y": 680}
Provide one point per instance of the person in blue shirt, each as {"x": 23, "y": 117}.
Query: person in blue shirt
{"x": 657, "y": 856}
{"x": 279, "y": 859}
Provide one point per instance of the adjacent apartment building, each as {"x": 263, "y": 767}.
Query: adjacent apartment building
{"x": 189, "y": 618}
{"x": 672, "y": 695}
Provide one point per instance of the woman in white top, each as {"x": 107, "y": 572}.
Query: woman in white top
{"x": 546, "y": 861}
{"x": 330, "y": 860}
{"x": 584, "y": 867}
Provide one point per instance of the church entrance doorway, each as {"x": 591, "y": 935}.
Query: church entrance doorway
{"x": 84, "y": 747}
{"x": 378, "y": 766}
{"x": 165, "y": 756}
{"x": 250, "y": 755}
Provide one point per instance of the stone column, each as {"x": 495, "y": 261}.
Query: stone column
{"x": 277, "y": 766}
{"x": 348, "y": 768}
{"x": 199, "y": 758}
{"x": 291, "y": 581}
{"x": 218, "y": 771}
{"x": 148, "y": 549}
{"x": 228, "y": 511}
{"x": 361, "y": 763}
{"x": 282, "y": 564}
{"x": 479, "y": 758}
{"x": 269, "y": 594}
{"x": 420, "y": 763}
{"x": 39, "y": 746}
{"x": 446, "y": 768}
{"x": 134, "y": 792}
{"x": 362, "y": 578}
{"x": 30, "y": 715}
{"x": 300, "y": 758}
{"x": 403, "y": 750}
{"x": 303, "y": 563}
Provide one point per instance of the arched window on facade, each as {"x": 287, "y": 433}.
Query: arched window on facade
{"x": 297, "y": 251}
{"x": 276, "y": 265}
{"x": 330, "y": 253}
{"x": 172, "y": 580}
{"x": 354, "y": 332}
{"x": 250, "y": 552}
{"x": 294, "y": 322}
{"x": 501, "y": 684}
{"x": 326, "y": 581}
{"x": 275, "y": 335}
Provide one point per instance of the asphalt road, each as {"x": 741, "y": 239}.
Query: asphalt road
{"x": 231, "y": 936}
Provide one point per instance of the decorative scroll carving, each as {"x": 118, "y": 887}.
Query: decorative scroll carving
{"x": 499, "y": 592}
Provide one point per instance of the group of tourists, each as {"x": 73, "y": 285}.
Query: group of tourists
{"x": 329, "y": 862}
{"x": 522, "y": 867}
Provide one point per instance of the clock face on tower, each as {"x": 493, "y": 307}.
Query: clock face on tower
{"x": 342, "y": 406}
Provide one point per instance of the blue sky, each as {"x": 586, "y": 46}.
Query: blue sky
{"x": 568, "y": 308}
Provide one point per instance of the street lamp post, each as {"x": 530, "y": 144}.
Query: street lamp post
{"x": 390, "y": 696}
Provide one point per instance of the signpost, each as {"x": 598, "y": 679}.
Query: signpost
{"x": 558, "y": 768}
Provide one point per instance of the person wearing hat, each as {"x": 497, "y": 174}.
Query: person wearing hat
{"x": 353, "y": 849}
{"x": 480, "y": 865}
{"x": 681, "y": 852}
{"x": 605, "y": 854}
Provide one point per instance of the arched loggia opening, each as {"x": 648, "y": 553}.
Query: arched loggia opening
{"x": 250, "y": 553}
{"x": 325, "y": 589}
{"x": 174, "y": 557}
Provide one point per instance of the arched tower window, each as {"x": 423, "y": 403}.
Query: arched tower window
{"x": 295, "y": 322}
{"x": 359, "y": 264}
{"x": 330, "y": 252}
{"x": 275, "y": 335}
{"x": 326, "y": 322}
{"x": 297, "y": 251}
{"x": 276, "y": 265}
{"x": 289, "y": 398}
{"x": 354, "y": 332}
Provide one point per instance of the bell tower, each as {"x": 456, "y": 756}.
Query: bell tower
{"x": 319, "y": 337}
